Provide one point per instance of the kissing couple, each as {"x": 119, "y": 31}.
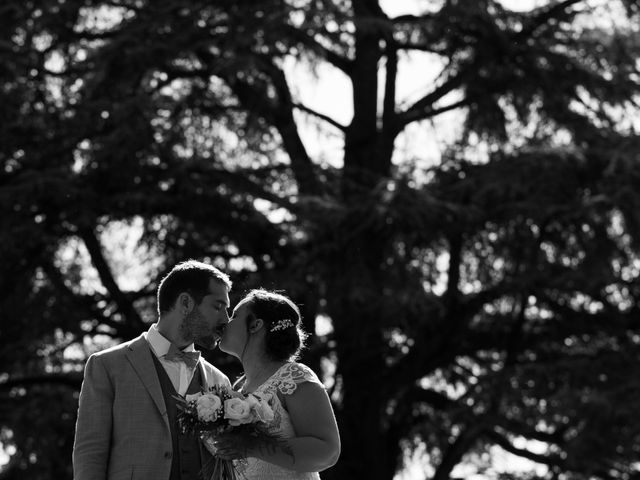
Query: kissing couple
{"x": 127, "y": 424}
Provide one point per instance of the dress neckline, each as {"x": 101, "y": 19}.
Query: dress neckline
{"x": 266, "y": 381}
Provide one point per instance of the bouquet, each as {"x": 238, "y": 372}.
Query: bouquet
{"x": 220, "y": 411}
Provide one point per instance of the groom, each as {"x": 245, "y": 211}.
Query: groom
{"x": 126, "y": 424}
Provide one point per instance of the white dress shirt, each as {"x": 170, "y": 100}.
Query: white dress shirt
{"x": 179, "y": 373}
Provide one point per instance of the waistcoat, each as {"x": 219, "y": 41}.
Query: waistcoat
{"x": 185, "y": 461}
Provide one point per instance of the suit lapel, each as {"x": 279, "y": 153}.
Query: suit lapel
{"x": 203, "y": 375}
{"x": 139, "y": 355}
{"x": 205, "y": 455}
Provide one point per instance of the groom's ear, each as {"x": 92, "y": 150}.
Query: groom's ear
{"x": 185, "y": 303}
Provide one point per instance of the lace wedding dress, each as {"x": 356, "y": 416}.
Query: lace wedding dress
{"x": 284, "y": 381}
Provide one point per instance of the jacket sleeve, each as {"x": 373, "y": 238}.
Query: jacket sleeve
{"x": 93, "y": 427}
{"x": 213, "y": 376}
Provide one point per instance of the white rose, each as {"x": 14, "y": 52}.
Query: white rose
{"x": 237, "y": 411}
{"x": 207, "y": 406}
{"x": 261, "y": 408}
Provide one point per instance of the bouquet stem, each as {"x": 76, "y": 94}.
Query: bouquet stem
{"x": 223, "y": 470}
{"x": 217, "y": 468}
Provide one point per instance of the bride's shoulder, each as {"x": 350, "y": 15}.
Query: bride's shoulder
{"x": 291, "y": 374}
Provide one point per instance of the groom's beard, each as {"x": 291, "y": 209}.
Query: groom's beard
{"x": 198, "y": 329}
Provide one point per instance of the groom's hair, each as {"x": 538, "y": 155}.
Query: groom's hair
{"x": 191, "y": 277}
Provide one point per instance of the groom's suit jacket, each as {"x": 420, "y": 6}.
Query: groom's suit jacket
{"x": 123, "y": 429}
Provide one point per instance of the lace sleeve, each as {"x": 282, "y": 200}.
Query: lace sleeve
{"x": 293, "y": 374}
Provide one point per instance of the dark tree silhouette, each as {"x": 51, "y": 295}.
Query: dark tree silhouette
{"x": 487, "y": 302}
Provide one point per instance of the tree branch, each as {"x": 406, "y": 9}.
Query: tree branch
{"x": 389, "y": 101}
{"x": 503, "y": 441}
{"x": 86, "y": 302}
{"x": 437, "y": 400}
{"x": 547, "y": 14}
{"x": 423, "y": 107}
{"x": 68, "y": 379}
{"x": 411, "y": 18}
{"x": 421, "y": 47}
{"x": 279, "y": 112}
{"x": 321, "y": 116}
{"x": 244, "y": 183}
{"x": 132, "y": 318}
{"x": 432, "y": 112}
{"x": 457, "y": 449}
{"x": 341, "y": 63}
{"x": 529, "y": 431}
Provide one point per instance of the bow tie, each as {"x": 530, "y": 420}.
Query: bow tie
{"x": 177, "y": 355}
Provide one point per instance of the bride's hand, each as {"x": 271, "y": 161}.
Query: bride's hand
{"x": 209, "y": 443}
{"x": 229, "y": 447}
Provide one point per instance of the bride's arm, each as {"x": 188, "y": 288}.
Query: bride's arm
{"x": 316, "y": 444}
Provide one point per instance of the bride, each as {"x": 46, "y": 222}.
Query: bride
{"x": 264, "y": 333}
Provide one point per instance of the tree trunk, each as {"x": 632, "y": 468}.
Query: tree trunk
{"x": 355, "y": 289}
{"x": 361, "y": 407}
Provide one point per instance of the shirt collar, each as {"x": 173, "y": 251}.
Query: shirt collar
{"x": 159, "y": 344}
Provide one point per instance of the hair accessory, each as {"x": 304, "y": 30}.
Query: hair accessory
{"x": 281, "y": 325}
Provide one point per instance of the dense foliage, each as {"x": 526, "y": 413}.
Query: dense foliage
{"x": 487, "y": 303}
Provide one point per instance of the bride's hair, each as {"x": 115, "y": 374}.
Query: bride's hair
{"x": 285, "y": 337}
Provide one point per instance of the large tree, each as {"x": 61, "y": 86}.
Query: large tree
{"x": 487, "y": 303}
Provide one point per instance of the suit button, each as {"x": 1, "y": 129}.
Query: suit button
{"x": 167, "y": 454}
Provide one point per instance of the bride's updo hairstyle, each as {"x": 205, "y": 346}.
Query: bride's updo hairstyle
{"x": 284, "y": 336}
